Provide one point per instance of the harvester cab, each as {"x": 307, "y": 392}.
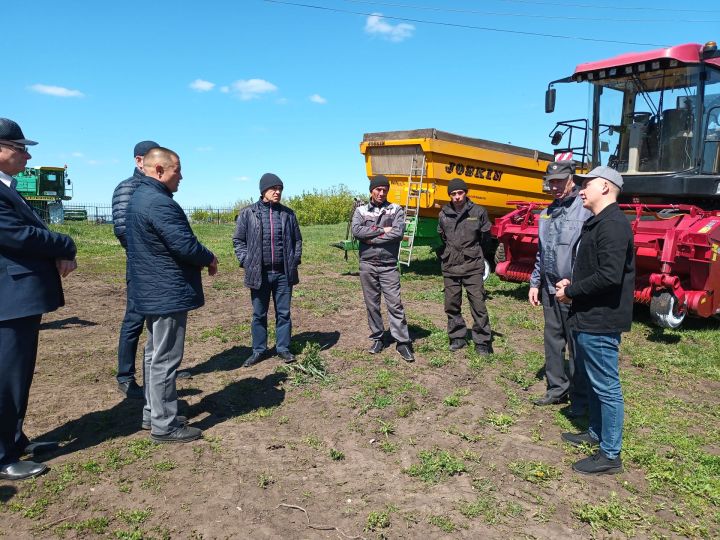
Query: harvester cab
{"x": 655, "y": 119}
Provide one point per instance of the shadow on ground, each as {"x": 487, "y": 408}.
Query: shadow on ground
{"x": 70, "y": 322}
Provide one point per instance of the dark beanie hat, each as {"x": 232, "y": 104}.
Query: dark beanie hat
{"x": 455, "y": 184}
{"x": 379, "y": 180}
{"x": 269, "y": 180}
{"x": 143, "y": 147}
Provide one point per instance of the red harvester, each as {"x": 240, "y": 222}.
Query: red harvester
{"x": 655, "y": 119}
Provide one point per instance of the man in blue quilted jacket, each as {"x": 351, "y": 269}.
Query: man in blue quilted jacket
{"x": 164, "y": 263}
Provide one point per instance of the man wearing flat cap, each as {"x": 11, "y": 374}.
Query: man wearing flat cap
{"x": 379, "y": 227}
{"x": 559, "y": 228}
{"x": 133, "y": 322}
{"x": 268, "y": 245}
{"x": 600, "y": 294}
{"x": 32, "y": 260}
{"x": 464, "y": 228}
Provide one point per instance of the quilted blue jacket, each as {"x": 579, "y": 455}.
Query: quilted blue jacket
{"x": 164, "y": 256}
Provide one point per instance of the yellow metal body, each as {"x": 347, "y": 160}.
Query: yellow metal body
{"x": 495, "y": 173}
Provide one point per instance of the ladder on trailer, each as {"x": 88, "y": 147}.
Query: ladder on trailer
{"x": 412, "y": 208}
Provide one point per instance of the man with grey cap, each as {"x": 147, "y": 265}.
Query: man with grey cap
{"x": 268, "y": 246}
{"x": 379, "y": 226}
{"x": 132, "y": 324}
{"x": 32, "y": 261}
{"x": 465, "y": 231}
{"x": 559, "y": 228}
{"x": 600, "y": 294}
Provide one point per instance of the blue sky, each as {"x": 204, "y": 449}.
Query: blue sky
{"x": 239, "y": 88}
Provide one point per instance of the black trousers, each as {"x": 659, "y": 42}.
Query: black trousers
{"x": 18, "y": 351}
{"x": 475, "y": 290}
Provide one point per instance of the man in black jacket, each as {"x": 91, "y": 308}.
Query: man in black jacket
{"x": 268, "y": 245}
{"x": 601, "y": 297}
{"x": 464, "y": 228}
{"x": 165, "y": 260}
{"x": 132, "y": 324}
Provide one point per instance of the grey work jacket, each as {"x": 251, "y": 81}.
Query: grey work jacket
{"x": 377, "y": 246}
{"x": 559, "y": 228}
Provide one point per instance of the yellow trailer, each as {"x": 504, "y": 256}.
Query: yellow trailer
{"x": 420, "y": 163}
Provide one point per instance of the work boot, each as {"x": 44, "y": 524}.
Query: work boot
{"x": 483, "y": 350}
{"x": 253, "y": 359}
{"x": 376, "y": 347}
{"x": 598, "y": 463}
{"x": 457, "y": 344}
{"x": 406, "y": 352}
{"x": 180, "y": 435}
{"x": 287, "y": 357}
{"x": 131, "y": 390}
{"x": 182, "y": 420}
{"x": 550, "y": 400}
{"x": 580, "y": 439}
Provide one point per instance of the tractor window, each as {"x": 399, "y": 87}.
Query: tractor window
{"x": 711, "y": 124}
{"x": 611, "y": 110}
{"x": 656, "y": 126}
{"x": 51, "y": 177}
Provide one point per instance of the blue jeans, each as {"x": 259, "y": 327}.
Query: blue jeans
{"x": 597, "y": 355}
{"x": 277, "y": 284}
{"x": 132, "y": 327}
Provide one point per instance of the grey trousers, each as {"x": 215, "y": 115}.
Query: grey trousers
{"x": 561, "y": 378}
{"x": 163, "y": 353}
{"x": 376, "y": 279}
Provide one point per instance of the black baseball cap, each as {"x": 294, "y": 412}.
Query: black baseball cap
{"x": 10, "y": 131}
{"x": 143, "y": 147}
{"x": 560, "y": 170}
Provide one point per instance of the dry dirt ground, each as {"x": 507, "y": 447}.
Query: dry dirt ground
{"x": 339, "y": 459}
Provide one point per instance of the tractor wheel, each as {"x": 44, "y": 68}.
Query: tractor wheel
{"x": 665, "y": 311}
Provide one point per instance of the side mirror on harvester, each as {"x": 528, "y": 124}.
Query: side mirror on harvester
{"x": 550, "y": 100}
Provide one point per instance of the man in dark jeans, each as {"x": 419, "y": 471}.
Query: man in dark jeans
{"x": 600, "y": 294}
{"x": 132, "y": 325}
{"x": 268, "y": 245}
{"x": 464, "y": 228}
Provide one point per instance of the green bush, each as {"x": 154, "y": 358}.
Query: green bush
{"x": 323, "y": 207}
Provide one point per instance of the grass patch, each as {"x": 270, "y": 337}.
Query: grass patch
{"x": 310, "y": 367}
{"x": 535, "y": 472}
{"x": 435, "y": 466}
{"x": 443, "y": 522}
{"x": 612, "y": 515}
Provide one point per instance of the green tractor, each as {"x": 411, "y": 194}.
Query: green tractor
{"x": 45, "y": 188}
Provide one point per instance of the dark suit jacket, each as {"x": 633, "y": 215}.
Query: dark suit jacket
{"x": 29, "y": 281}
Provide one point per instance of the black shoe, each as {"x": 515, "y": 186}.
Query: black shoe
{"x": 405, "y": 351}
{"x": 182, "y": 420}
{"x": 131, "y": 390}
{"x": 572, "y": 414}
{"x": 550, "y": 400}
{"x": 579, "y": 439}
{"x": 38, "y": 447}
{"x": 598, "y": 463}
{"x": 457, "y": 344}
{"x": 180, "y": 435}
{"x": 287, "y": 357}
{"x": 376, "y": 347}
{"x": 254, "y": 359}
{"x": 483, "y": 350}
{"x": 20, "y": 470}
{"x": 183, "y": 375}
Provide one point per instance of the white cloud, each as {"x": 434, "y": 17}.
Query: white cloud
{"x": 282, "y": 101}
{"x": 77, "y": 154}
{"x": 204, "y": 149}
{"x": 317, "y": 98}
{"x": 376, "y": 24}
{"x": 225, "y": 89}
{"x": 252, "y": 88}
{"x": 58, "y": 91}
{"x": 241, "y": 178}
{"x": 199, "y": 85}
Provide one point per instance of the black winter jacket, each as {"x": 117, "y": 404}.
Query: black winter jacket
{"x": 464, "y": 235}
{"x": 164, "y": 256}
{"x": 248, "y": 243}
{"x": 603, "y": 276}
{"x": 120, "y": 199}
